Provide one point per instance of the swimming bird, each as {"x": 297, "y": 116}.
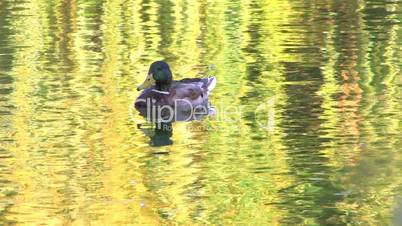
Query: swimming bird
{"x": 160, "y": 90}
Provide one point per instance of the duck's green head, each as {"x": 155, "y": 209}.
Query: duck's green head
{"x": 159, "y": 74}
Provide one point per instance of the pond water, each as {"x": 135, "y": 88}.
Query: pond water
{"x": 307, "y": 128}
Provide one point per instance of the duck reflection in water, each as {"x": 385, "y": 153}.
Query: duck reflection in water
{"x": 164, "y": 101}
{"x": 161, "y": 129}
{"x": 160, "y": 133}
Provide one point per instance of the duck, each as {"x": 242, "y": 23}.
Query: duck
{"x": 161, "y": 91}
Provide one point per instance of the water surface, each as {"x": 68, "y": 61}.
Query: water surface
{"x": 317, "y": 139}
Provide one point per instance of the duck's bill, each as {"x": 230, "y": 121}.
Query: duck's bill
{"x": 149, "y": 81}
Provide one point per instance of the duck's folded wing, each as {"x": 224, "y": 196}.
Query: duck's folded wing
{"x": 190, "y": 91}
{"x": 207, "y": 84}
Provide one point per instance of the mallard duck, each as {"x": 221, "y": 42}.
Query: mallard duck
{"x": 160, "y": 90}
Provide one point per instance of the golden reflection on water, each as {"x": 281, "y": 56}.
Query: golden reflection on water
{"x": 71, "y": 152}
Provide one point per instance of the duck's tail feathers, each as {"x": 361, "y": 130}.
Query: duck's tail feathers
{"x": 211, "y": 83}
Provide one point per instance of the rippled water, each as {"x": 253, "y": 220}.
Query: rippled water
{"x": 307, "y": 129}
